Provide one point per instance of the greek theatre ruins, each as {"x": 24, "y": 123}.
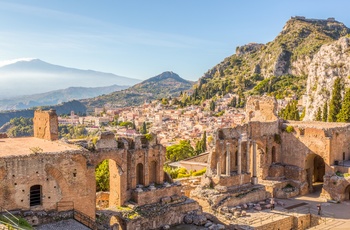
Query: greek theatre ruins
{"x": 265, "y": 155}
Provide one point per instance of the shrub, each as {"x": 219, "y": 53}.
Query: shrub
{"x": 290, "y": 129}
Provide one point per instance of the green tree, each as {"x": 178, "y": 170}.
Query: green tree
{"x": 179, "y": 151}
{"x": 21, "y": 127}
{"x": 143, "y": 129}
{"x": 302, "y": 114}
{"x": 290, "y": 112}
{"x": 204, "y": 141}
{"x": 335, "y": 103}
{"x": 344, "y": 114}
{"x": 318, "y": 115}
{"x": 102, "y": 176}
{"x": 212, "y": 105}
{"x": 325, "y": 112}
{"x": 233, "y": 102}
{"x": 201, "y": 145}
{"x": 126, "y": 124}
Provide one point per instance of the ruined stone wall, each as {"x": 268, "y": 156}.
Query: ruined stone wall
{"x": 70, "y": 176}
{"x": 62, "y": 177}
{"x": 304, "y": 141}
{"x": 233, "y": 180}
{"x": 340, "y": 145}
{"x": 156, "y": 195}
{"x": 45, "y": 125}
{"x": 159, "y": 217}
{"x": 261, "y": 109}
{"x": 330, "y": 144}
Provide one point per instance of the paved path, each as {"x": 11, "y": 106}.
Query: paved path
{"x": 69, "y": 224}
{"x": 336, "y": 216}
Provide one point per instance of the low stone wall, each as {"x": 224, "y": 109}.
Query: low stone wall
{"x": 102, "y": 200}
{"x": 233, "y": 180}
{"x": 189, "y": 184}
{"x": 247, "y": 197}
{"x": 35, "y": 218}
{"x": 292, "y": 222}
{"x": 172, "y": 214}
{"x": 143, "y": 196}
{"x": 286, "y": 223}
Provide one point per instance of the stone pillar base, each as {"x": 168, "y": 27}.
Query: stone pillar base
{"x": 254, "y": 180}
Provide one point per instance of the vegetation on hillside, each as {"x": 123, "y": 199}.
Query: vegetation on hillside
{"x": 21, "y": 127}
{"x": 258, "y": 69}
{"x": 165, "y": 85}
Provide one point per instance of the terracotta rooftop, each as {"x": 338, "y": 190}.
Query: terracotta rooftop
{"x": 22, "y": 146}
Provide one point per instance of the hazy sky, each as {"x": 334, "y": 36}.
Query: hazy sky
{"x": 141, "y": 39}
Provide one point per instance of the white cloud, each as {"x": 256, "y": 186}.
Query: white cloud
{"x": 9, "y": 62}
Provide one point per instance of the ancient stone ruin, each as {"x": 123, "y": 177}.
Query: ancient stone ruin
{"x": 43, "y": 174}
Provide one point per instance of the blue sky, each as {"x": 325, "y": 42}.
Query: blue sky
{"x": 141, "y": 39}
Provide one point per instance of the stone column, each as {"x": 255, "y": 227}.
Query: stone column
{"x": 239, "y": 157}
{"x": 228, "y": 160}
{"x": 218, "y": 168}
{"x": 248, "y": 156}
{"x": 254, "y": 178}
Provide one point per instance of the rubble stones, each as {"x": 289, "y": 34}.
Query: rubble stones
{"x": 220, "y": 226}
{"x": 188, "y": 219}
{"x": 199, "y": 220}
{"x": 220, "y": 188}
{"x": 165, "y": 200}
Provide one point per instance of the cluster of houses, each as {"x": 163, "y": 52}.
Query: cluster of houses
{"x": 170, "y": 123}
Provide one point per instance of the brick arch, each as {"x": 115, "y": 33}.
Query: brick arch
{"x": 118, "y": 173}
{"x": 119, "y": 156}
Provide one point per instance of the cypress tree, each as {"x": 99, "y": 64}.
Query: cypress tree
{"x": 234, "y": 102}
{"x": 204, "y": 141}
{"x": 318, "y": 115}
{"x": 335, "y": 104}
{"x": 325, "y": 112}
{"x": 344, "y": 114}
{"x": 212, "y": 105}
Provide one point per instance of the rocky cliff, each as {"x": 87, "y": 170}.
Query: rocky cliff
{"x": 279, "y": 68}
{"x": 330, "y": 62}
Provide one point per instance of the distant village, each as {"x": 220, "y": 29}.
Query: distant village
{"x": 170, "y": 123}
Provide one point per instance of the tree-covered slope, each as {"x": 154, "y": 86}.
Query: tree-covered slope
{"x": 167, "y": 84}
{"x": 278, "y": 68}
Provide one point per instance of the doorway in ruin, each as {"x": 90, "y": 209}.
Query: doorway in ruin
{"x": 153, "y": 172}
{"x": 108, "y": 186}
{"x": 139, "y": 174}
{"x": 315, "y": 170}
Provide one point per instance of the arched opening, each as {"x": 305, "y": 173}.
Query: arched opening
{"x": 153, "y": 172}
{"x": 108, "y": 184}
{"x": 273, "y": 153}
{"x": 347, "y": 193}
{"x": 315, "y": 170}
{"x": 139, "y": 174}
{"x": 319, "y": 169}
{"x": 35, "y": 195}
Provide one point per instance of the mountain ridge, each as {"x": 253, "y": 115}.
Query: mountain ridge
{"x": 166, "y": 84}
{"x": 278, "y": 68}
{"x": 56, "y": 97}
{"x": 36, "y": 76}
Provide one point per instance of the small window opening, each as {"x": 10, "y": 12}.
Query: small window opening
{"x": 35, "y": 195}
